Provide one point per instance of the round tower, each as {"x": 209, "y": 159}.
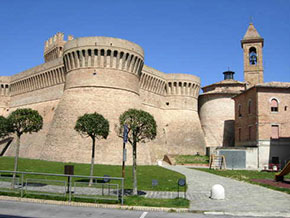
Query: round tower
{"x": 217, "y": 110}
{"x": 102, "y": 75}
{"x": 182, "y": 129}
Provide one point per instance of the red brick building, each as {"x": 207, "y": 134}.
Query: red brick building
{"x": 262, "y": 120}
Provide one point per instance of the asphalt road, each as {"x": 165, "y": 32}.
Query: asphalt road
{"x": 13, "y": 209}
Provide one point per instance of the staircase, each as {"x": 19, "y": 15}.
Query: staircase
{"x": 217, "y": 162}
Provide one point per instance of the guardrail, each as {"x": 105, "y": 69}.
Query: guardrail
{"x": 67, "y": 186}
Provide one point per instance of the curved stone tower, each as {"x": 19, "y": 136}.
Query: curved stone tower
{"x": 102, "y": 75}
{"x": 217, "y": 111}
{"x": 182, "y": 126}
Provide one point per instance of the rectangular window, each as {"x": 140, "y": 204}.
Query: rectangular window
{"x": 275, "y": 132}
{"x": 240, "y": 110}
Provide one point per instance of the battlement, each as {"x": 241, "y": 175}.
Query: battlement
{"x": 103, "y": 53}
{"x": 53, "y": 47}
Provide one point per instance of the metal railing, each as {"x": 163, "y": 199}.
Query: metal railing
{"x": 67, "y": 186}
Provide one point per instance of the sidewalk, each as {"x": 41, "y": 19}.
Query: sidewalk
{"x": 241, "y": 198}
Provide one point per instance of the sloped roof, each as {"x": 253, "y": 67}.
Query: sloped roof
{"x": 252, "y": 35}
{"x": 226, "y": 82}
{"x": 283, "y": 85}
{"x": 274, "y": 84}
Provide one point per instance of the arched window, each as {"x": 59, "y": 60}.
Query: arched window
{"x": 274, "y": 105}
{"x": 250, "y": 106}
{"x": 240, "y": 110}
{"x": 253, "y": 56}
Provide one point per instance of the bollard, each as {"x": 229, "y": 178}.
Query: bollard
{"x": 217, "y": 192}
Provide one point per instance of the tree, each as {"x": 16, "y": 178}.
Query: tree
{"x": 22, "y": 121}
{"x": 94, "y": 126}
{"x": 141, "y": 127}
{"x": 4, "y": 127}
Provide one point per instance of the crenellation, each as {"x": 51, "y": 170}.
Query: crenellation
{"x": 53, "y": 48}
{"x": 106, "y": 75}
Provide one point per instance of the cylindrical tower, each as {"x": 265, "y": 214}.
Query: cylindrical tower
{"x": 182, "y": 126}
{"x": 217, "y": 110}
{"x": 102, "y": 75}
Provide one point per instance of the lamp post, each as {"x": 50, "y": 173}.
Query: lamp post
{"x": 125, "y": 140}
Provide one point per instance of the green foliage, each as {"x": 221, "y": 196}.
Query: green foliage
{"x": 24, "y": 120}
{"x": 93, "y": 125}
{"x": 141, "y": 125}
{"x": 191, "y": 159}
{"x": 4, "y": 127}
{"x": 167, "y": 179}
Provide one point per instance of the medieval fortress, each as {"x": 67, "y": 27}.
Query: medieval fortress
{"x": 108, "y": 76}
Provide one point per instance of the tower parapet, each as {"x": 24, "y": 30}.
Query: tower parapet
{"x": 182, "y": 91}
{"x": 108, "y": 62}
{"x": 53, "y": 47}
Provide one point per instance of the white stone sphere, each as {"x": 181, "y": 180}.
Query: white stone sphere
{"x": 217, "y": 192}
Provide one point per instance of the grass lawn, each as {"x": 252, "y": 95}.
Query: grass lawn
{"x": 247, "y": 176}
{"x": 191, "y": 159}
{"x": 167, "y": 179}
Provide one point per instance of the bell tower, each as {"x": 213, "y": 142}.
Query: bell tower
{"x": 252, "y": 45}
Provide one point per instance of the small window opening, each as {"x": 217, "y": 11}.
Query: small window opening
{"x": 240, "y": 110}
{"x": 275, "y": 132}
{"x": 253, "y": 56}
{"x": 250, "y": 132}
{"x": 274, "y": 105}
{"x": 250, "y": 107}
{"x": 285, "y": 108}
{"x": 94, "y": 73}
{"x": 240, "y": 134}
{"x": 167, "y": 103}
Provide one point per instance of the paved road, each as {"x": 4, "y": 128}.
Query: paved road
{"x": 241, "y": 197}
{"x": 11, "y": 209}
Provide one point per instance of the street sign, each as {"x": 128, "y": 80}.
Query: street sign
{"x": 125, "y": 154}
{"x": 125, "y": 134}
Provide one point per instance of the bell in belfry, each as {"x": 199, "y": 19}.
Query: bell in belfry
{"x": 253, "y": 58}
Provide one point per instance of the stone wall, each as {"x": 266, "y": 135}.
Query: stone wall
{"x": 216, "y": 112}
{"x": 105, "y": 75}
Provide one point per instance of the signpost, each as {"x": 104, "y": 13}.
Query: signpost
{"x": 125, "y": 140}
{"x": 68, "y": 170}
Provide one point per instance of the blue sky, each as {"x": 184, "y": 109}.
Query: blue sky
{"x": 178, "y": 36}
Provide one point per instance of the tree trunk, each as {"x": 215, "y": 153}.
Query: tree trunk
{"x": 92, "y": 161}
{"x": 135, "y": 190}
{"x": 16, "y": 160}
